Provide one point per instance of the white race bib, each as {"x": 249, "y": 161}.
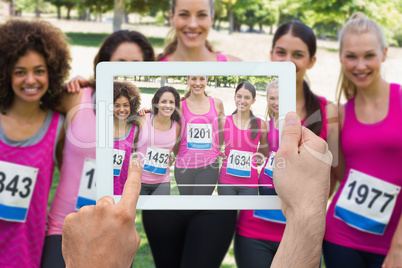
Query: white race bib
{"x": 239, "y": 163}
{"x": 17, "y": 183}
{"x": 118, "y": 159}
{"x": 269, "y": 167}
{"x": 199, "y": 136}
{"x": 87, "y": 190}
{"x": 366, "y": 203}
{"x": 156, "y": 160}
{"x": 275, "y": 215}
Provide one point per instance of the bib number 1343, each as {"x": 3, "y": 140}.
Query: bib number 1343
{"x": 17, "y": 183}
{"x": 366, "y": 203}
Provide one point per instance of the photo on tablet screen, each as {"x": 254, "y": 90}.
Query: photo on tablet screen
{"x": 206, "y": 139}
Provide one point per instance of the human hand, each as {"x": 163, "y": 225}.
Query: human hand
{"x": 302, "y": 169}
{"x": 393, "y": 258}
{"x": 75, "y": 84}
{"x": 104, "y": 235}
{"x": 172, "y": 159}
{"x": 143, "y": 111}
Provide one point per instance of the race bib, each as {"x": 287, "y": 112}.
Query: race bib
{"x": 118, "y": 159}
{"x": 269, "y": 167}
{"x": 17, "y": 183}
{"x": 366, "y": 203}
{"x": 156, "y": 160}
{"x": 87, "y": 190}
{"x": 239, "y": 163}
{"x": 270, "y": 215}
{"x": 199, "y": 136}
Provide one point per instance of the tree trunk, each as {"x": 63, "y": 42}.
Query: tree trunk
{"x": 118, "y": 15}
{"x": 12, "y": 8}
{"x": 37, "y": 12}
{"x": 58, "y": 12}
{"x": 231, "y": 20}
{"x": 69, "y": 7}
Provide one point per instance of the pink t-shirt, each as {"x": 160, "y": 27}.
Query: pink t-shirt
{"x": 219, "y": 57}
{"x": 199, "y": 145}
{"x": 251, "y": 226}
{"x": 367, "y": 207}
{"x": 151, "y": 138}
{"x": 124, "y": 143}
{"x": 239, "y": 168}
{"x": 21, "y": 243}
{"x": 80, "y": 144}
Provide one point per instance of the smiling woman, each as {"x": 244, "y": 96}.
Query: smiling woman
{"x": 33, "y": 64}
{"x": 191, "y": 21}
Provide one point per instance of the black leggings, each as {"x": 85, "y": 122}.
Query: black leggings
{"x": 185, "y": 238}
{"x": 254, "y": 253}
{"x": 52, "y": 256}
{"x": 190, "y": 180}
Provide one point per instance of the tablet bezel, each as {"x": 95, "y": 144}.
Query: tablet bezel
{"x": 105, "y": 73}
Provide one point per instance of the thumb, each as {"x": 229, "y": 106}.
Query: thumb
{"x": 291, "y": 135}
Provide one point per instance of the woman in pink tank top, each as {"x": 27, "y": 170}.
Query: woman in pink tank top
{"x": 127, "y": 100}
{"x": 158, "y": 134}
{"x": 80, "y": 146}
{"x": 192, "y": 238}
{"x": 364, "y": 224}
{"x": 34, "y": 63}
{"x": 244, "y": 136}
{"x": 260, "y": 232}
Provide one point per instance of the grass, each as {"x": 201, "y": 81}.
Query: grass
{"x": 96, "y": 39}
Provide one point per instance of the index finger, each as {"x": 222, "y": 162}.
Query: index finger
{"x": 132, "y": 187}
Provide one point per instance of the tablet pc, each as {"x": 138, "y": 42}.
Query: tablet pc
{"x": 174, "y": 74}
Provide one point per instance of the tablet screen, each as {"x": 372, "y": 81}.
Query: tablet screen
{"x": 196, "y": 159}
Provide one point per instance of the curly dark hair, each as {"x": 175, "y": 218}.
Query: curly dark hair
{"x": 18, "y": 37}
{"x": 111, "y": 43}
{"x": 158, "y": 94}
{"x": 131, "y": 92}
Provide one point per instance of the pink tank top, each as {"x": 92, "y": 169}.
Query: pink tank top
{"x": 199, "y": 145}
{"x": 219, "y": 57}
{"x": 252, "y": 226}
{"x": 232, "y": 171}
{"x": 155, "y": 171}
{"x": 127, "y": 146}
{"x": 273, "y": 143}
{"x": 367, "y": 207}
{"x": 21, "y": 243}
{"x": 79, "y": 145}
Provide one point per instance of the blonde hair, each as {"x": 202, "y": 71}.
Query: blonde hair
{"x": 273, "y": 84}
{"x": 171, "y": 38}
{"x": 357, "y": 24}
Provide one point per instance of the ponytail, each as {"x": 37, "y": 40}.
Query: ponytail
{"x": 314, "y": 120}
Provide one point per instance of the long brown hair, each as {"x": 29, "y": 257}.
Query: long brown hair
{"x": 255, "y": 129}
{"x": 306, "y": 34}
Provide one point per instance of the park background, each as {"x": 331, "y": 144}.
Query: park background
{"x": 242, "y": 28}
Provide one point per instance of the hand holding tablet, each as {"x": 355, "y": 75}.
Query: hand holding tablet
{"x": 104, "y": 235}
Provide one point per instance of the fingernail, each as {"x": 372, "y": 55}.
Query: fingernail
{"x": 291, "y": 118}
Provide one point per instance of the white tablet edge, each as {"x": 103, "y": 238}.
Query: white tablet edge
{"x": 105, "y": 72}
